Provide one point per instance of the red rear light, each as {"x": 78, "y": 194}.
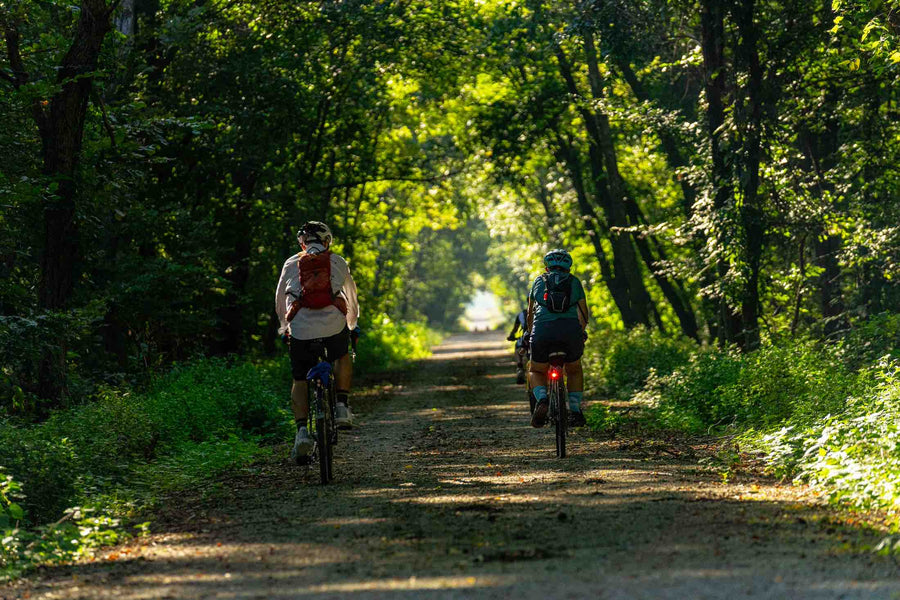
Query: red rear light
{"x": 554, "y": 374}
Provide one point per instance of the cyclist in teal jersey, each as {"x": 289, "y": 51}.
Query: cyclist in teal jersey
{"x": 557, "y": 316}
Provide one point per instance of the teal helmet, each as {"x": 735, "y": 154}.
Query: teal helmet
{"x": 558, "y": 259}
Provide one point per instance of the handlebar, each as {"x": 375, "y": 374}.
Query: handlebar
{"x": 354, "y": 338}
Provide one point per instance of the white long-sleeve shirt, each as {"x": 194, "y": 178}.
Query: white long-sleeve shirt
{"x": 313, "y": 323}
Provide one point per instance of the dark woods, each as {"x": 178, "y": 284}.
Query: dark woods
{"x": 727, "y": 163}
{"x": 722, "y": 170}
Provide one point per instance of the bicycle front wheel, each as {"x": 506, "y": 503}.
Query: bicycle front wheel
{"x": 323, "y": 437}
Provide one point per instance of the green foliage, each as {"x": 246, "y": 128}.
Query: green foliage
{"x": 75, "y": 535}
{"x": 600, "y": 418}
{"x": 798, "y": 382}
{"x": 723, "y": 388}
{"x": 46, "y": 467}
{"x": 389, "y": 344}
{"x": 23, "y": 343}
{"x": 689, "y": 397}
{"x": 627, "y": 359}
{"x": 853, "y": 455}
{"x": 11, "y": 513}
{"x": 128, "y": 448}
{"x": 870, "y": 340}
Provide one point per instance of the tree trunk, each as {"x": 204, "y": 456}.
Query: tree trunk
{"x": 608, "y": 188}
{"x": 61, "y": 126}
{"x": 747, "y": 53}
{"x": 712, "y": 22}
{"x": 671, "y": 288}
{"x": 567, "y": 154}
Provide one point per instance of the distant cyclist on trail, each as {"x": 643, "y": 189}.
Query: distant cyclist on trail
{"x": 520, "y": 343}
{"x": 557, "y": 316}
{"x": 316, "y": 302}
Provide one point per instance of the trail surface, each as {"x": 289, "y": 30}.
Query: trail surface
{"x": 443, "y": 491}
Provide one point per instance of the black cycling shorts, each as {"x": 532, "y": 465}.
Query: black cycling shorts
{"x": 562, "y": 335}
{"x": 305, "y": 353}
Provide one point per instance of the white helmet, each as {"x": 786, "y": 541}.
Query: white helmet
{"x": 315, "y": 231}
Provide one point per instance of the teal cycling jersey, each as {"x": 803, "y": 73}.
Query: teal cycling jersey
{"x": 544, "y": 315}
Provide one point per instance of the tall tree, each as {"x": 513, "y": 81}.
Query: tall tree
{"x": 60, "y": 120}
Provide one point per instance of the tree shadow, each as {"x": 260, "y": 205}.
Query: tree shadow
{"x": 445, "y": 492}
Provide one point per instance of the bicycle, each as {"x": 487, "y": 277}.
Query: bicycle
{"x": 558, "y": 399}
{"x": 521, "y": 358}
{"x": 321, "y": 415}
{"x": 556, "y": 391}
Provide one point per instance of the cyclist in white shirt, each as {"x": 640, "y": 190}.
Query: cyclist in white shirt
{"x": 316, "y": 303}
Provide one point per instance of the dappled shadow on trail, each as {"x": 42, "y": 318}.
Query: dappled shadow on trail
{"x": 444, "y": 491}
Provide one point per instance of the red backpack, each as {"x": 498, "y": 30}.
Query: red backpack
{"x": 315, "y": 280}
{"x": 315, "y": 284}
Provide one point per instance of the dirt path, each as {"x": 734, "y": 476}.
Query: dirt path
{"x": 444, "y": 492}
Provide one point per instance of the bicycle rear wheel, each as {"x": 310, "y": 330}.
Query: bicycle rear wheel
{"x": 558, "y": 405}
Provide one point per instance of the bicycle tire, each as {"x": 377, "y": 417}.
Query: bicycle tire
{"x": 323, "y": 441}
{"x": 331, "y": 430}
{"x": 561, "y": 419}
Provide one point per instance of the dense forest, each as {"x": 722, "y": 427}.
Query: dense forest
{"x": 724, "y": 174}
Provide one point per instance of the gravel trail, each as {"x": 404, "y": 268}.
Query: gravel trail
{"x": 443, "y": 491}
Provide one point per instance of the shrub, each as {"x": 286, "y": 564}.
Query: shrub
{"x": 44, "y": 466}
{"x": 599, "y": 417}
{"x": 762, "y": 389}
{"x": 77, "y": 452}
{"x": 388, "y": 344}
{"x": 853, "y": 456}
{"x": 629, "y": 357}
{"x": 690, "y": 397}
{"x": 798, "y": 382}
{"x": 870, "y": 340}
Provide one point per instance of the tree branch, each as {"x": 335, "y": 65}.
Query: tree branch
{"x": 19, "y": 76}
{"x": 98, "y": 98}
{"x": 353, "y": 184}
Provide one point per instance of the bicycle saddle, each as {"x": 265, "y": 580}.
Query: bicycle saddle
{"x": 557, "y": 359}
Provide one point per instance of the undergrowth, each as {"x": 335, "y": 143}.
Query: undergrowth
{"x": 82, "y": 478}
{"x": 619, "y": 363}
{"x": 388, "y": 344}
{"x": 79, "y": 479}
{"x": 824, "y": 414}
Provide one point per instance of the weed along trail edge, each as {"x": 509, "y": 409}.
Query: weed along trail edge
{"x": 444, "y": 491}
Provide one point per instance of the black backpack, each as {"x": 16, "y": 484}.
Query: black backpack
{"x": 557, "y": 291}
